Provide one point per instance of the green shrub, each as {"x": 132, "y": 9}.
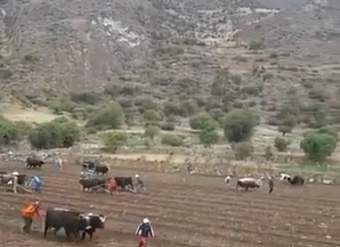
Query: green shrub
{"x": 318, "y": 146}
{"x": 268, "y": 153}
{"x": 57, "y": 106}
{"x": 151, "y": 132}
{"x": 217, "y": 114}
{"x": 172, "y": 140}
{"x": 114, "y": 140}
{"x": 243, "y": 150}
{"x": 256, "y": 45}
{"x": 208, "y": 136}
{"x": 170, "y": 108}
{"x": 203, "y": 120}
{"x": 24, "y": 129}
{"x": 287, "y": 123}
{"x": 169, "y": 126}
{"x": 111, "y": 116}
{"x": 90, "y": 98}
{"x": 239, "y": 125}
{"x": 8, "y": 132}
{"x": 55, "y": 134}
{"x": 152, "y": 117}
{"x": 281, "y": 144}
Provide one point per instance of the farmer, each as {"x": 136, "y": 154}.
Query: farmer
{"x": 111, "y": 184}
{"x": 27, "y": 213}
{"x": 144, "y": 230}
{"x": 140, "y": 182}
{"x": 271, "y": 185}
{"x": 58, "y": 163}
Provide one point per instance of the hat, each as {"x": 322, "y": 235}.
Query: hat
{"x": 146, "y": 221}
{"x": 37, "y": 202}
{"x": 137, "y": 176}
{"x": 15, "y": 173}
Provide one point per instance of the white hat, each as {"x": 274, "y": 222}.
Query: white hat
{"x": 137, "y": 176}
{"x": 15, "y": 173}
{"x": 146, "y": 220}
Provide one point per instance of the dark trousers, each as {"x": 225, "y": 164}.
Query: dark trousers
{"x": 28, "y": 223}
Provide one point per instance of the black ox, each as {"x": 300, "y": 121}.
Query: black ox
{"x": 92, "y": 182}
{"x": 34, "y": 163}
{"x": 97, "y": 168}
{"x": 73, "y": 222}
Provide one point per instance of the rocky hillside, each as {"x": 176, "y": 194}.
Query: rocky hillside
{"x": 171, "y": 49}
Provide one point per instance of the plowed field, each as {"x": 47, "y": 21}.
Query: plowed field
{"x": 185, "y": 211}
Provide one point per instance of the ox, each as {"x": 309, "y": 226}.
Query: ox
{"x": 245, "y": 183}
{"x": 73, "y": 222}
{"x": 125, "y": 183}
{"x": 295, "y": 180}
{"x": 33, "y": 163}
{"x": 92, "y": 182}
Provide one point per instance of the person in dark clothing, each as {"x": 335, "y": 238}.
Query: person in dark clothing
{"x": 144, "y": 230}
{"x": 271, "y": 185}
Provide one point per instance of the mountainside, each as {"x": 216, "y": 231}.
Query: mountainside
{"x": 170, "y": 49}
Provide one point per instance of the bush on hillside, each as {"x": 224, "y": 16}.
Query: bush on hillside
{"x": 114, "y": 140}
{"x": 169, "y": 126}
{"x": 151, "y": 131}
{"x": 239, "y": 125}
{"x": 286, "y": 123}
{"x": 55, "y": 134}
{"x": 202, "y": 121}
{"x": 172, "y": 140}
{"x": 281, "y": 144}
{"x": 208, "y": 136}
{"x": 152, "y": 117}
{"x": 243, "y": 150}
{"x": 8, "y": 132}
{"x": 110, "y": 117}
{"x": 318, "y": 146}
{"x": 90, "y": 98}
{"x": 24, "y": 129}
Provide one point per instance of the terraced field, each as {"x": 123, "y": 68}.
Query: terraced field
{"x": 185, "y": 211}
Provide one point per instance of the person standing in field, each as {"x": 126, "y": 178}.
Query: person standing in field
{"x": 28, "y": 212}
{"x": 144, "y": 231}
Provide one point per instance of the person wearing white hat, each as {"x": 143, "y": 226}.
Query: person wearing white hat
{"x": 139, "y": 181}
{"x": 144, "y": 230}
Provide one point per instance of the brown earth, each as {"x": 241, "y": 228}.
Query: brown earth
{"x": 185, "y": 211}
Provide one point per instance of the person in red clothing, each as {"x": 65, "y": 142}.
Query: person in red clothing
{"x": 144, "y": 230}
{"x": 27, "y": 213}
{"x": 111, "y": 184}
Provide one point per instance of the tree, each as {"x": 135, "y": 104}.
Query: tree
{"x": 172, "y": 140}
{"x": 203, "y": 120}
{"x": 208, "y": 136}
{"x": 281, "y": 144}
{"x": 221, "y": 83}
{"x": 268, "y": 153}
{"x": 114, "y": 140}
{"x": 239, "y": 125}
{"x": 111, "y": 116}
{"x": 243, "y": 150}
{"x": 8, "y": 132}
{"x": 152, "y": 117}
{"x": 319, "y": 116}
{"x": 169, "y": 126}
{"x": 217, "y": 114}
{"x": 318, "y": 146}
{"x": 151, "y": 131}
{"x": 23, "y": 128}
{"x": 286, "y": 124}
{"x": 54, "y": 135}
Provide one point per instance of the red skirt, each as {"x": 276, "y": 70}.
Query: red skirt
{"x": 143, "y": 242}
